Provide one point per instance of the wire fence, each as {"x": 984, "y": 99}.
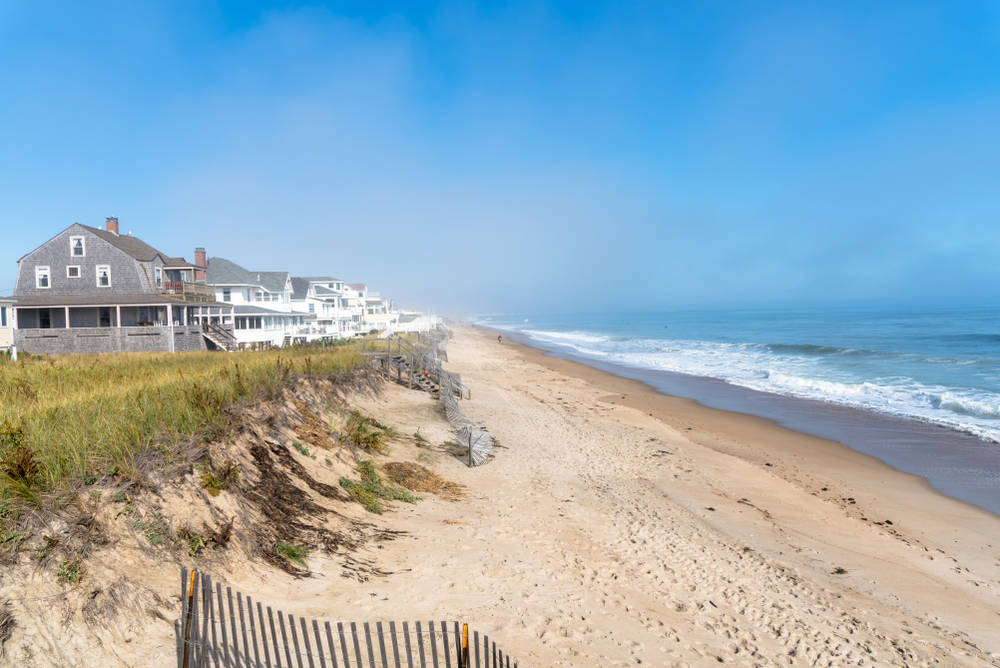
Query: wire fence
{"x": 209, "y": 637}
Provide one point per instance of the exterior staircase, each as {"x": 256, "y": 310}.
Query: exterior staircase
{"x": 414, "y": 378}
{"x": 220, "y": 337}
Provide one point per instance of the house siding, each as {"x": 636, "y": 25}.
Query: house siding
{"x": 109, "y": 340}
{"x": 127, "y": 274}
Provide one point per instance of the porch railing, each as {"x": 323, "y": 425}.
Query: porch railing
{"x": 184, "y": 291}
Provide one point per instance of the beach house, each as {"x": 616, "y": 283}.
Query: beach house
{"x": 6, "y": 323}
{"x": 95, "y": 290}
{"x": 321, "y": 301}
{"x": 261, "y": 303}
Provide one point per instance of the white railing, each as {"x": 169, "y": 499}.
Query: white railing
{"x": 425, "y": 323}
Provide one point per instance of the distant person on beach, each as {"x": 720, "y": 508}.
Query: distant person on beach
{"x": 499, "y": 338}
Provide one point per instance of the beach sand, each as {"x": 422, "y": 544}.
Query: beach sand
{"x": 619, "y": 526}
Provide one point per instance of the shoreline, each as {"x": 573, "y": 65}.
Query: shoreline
{"x": 812, "y": 504}
{"x": 741, "y": 434}
{"x": 849, "y": 421}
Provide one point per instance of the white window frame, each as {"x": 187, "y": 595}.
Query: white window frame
{"x": 227, "y": 294}
{"x": 107, "y": 269}
{"x": 3, "y": 316}
{"x": 73, "y": 266}
{"x": 72, "y": 246}
{"x": 41, "y": 272}
{"x": 158, "y": 275}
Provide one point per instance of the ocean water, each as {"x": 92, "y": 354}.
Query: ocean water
{"x": 922, "y": 385}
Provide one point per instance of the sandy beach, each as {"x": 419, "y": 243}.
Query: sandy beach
{"x": 618, "y": 526}
{"x": 615, "y": 526}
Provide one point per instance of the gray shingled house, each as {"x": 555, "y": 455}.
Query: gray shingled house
{"x": 97, "y": 291}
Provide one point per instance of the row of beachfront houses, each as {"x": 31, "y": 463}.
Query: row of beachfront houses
{"x": 96, "y": 290}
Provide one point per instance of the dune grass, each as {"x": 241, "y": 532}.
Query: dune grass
{"x": 83, "y": 416}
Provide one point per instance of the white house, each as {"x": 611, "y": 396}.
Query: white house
{"x": 6, "y": 322}
{"x": 262, "y": 302}
{"x": 320, "y": 299}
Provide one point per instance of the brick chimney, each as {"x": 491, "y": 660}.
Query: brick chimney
{"x": 112, "y": 225}
{"x": 199, "y": 261}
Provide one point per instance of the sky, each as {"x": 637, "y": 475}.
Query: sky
{"x": 473, "y": 157}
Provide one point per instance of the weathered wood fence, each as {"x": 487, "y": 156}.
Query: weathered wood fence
{"x": 217, "y": 629}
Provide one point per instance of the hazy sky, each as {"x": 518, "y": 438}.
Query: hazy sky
{"x": 521, "y": 156}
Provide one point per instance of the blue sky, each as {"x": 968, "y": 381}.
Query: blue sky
{"x": 522, "y": 156}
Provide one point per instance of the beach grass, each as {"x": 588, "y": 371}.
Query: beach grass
{"x": 87, "y": 416}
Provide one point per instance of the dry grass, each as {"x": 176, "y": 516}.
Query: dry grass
{"x": 79, "y": 416}
{"x": 416, "y": 478}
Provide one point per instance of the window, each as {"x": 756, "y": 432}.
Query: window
{"x": 312, "y": 308}
{"x": 76, "y": 247}
{"x": 227, "y": 295}
{"x": 103, "y": 276}
{"x": 42, "y": 277}
{"x": 158, "y": 275}
{"x": 257, "y": 297}
{"x": 105, "y": 315}
{"x": 3, "y": 316}
{"x": 73, "y": 271}
{"x": 44, "y": 318}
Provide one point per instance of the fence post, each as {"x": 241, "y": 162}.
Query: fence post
{"x": 465, "y": 646}
{"x": 470, "y": 447}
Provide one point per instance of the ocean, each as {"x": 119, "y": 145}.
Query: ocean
{"x": 917, "y": 388}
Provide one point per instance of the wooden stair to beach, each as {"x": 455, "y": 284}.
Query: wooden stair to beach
{"x": 399, "y": 372}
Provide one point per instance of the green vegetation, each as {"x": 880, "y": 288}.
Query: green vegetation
{"x": 68, "y": 416}
{"x": 155, "y": 529}
{"x": 368, "y": 433}
{"x": 418, "y": 438}
{"x": 45, "y": 549}
{"x": 294, "y": 553}
{"x": 214, "y": 484}
{"x": 70, "y": 572}
{"x": 194, "y": 541}
{"x": 372, "y": 488}
{"x": 14, "y": 538}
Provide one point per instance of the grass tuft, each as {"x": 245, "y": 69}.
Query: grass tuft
{"x": 368, "y": 433}
{"x": 294, "y": 553}
{"x": 373, "y": 488}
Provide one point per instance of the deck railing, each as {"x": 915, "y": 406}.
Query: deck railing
{"x": 211, "y": 633}
{"x": 184, "y": 291}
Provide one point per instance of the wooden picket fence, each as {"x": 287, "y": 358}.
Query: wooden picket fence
{"x": 210, "y": 635}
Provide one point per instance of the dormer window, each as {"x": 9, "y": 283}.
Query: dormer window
{"x": 42, "y": 278}
{"x": 76, "y": 247}
{"x": 103, "y": 276}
